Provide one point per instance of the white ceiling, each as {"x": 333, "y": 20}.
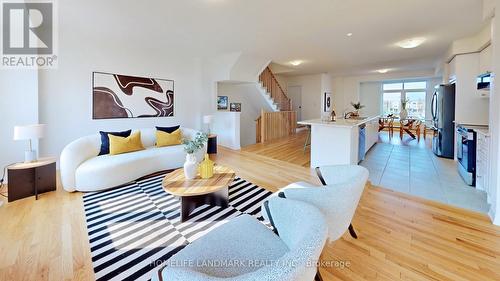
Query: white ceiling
{"x": 310, "y": 30}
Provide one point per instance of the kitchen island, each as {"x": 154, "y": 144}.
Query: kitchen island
{"x": 338, "y": 142}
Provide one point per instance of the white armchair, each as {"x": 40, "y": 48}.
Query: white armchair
{"x": 337, "y": 200}
{"x": 244, "y": 249}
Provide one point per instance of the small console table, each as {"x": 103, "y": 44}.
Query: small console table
{"x": 28, "y": 179}
{"x": 212, "y": 144}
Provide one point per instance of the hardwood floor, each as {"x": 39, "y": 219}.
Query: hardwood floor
{"x": 400, "y": 237}
{"x": 290, "y": 149}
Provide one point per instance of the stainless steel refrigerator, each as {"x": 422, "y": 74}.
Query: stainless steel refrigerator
{"x": 443, "y": 115}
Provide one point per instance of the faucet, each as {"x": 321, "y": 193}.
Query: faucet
{"x": 347, "y": 115}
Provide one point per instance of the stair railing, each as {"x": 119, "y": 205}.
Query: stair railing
{"x": 275, "y": 90}
{"x": 275, "y": 125}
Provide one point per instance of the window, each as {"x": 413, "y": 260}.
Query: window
{"x": 412, "y": 91}
{"x": 416, "y": 104}
{"x": 392, "y": 103}
{"x": 415, "y": 85}
{"x": 393, "y": 86}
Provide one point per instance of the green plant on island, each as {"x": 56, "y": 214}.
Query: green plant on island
{"x": 357, "y": 106}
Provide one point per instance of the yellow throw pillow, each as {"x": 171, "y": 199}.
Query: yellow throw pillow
{"x": 166, "y": 139}
{"x": 118, "y": 145}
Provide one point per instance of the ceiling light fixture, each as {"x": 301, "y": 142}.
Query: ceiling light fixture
{"x": 296, "y": 62}
{"x": 382, "y": 71}
{"x": 411, "y": 43}
{"x": 349, "y": 34}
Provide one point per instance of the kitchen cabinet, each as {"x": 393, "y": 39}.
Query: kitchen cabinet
{"x": 470, "y": 107}
{"x": 482, "y": 163}
{"x": 371, "y": 134}
{"x": 485, "y": 59}
{"x": 452, "y": 70}
{"x": 338, "y": 142}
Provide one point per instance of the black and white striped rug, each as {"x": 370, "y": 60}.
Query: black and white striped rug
{"x": 135, "y": 228}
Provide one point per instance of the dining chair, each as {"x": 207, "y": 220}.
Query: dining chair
{"x": 413, "y": 127}
{"x": 386, "y": 123}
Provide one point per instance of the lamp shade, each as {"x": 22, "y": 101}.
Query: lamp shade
{"x": 29, "y": 132}
{"x": 207, "y": 119}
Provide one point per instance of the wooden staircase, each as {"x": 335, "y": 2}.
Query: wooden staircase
{"x": 275, "y": 125}
{"x": 274, "y": 90}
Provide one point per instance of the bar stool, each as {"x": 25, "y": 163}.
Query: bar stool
{"x": 308, "y": 138}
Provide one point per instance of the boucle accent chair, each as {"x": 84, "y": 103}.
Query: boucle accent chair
{"x": 249, "y": 251}
{"x": 337, "y": 200}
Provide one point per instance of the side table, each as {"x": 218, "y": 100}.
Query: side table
{"x": 212, "y": 144}
{"x": 28, "y": 179}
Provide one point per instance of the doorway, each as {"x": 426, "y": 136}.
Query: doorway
{"x": 295, "y": 94}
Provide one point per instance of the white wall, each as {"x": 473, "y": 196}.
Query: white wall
{"x": 227, "y": 126}
{"x": 65, "y": 93}
{"x": 18, "y": 106}
{"x": 251, "y": 104}
{"x": 312, "y": 88}
{"x": 371, "y": 97}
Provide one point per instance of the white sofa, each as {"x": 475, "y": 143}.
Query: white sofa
{"x": 83, "y": 170}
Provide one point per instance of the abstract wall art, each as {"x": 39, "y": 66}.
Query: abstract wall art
{"x": 123, "y": 96}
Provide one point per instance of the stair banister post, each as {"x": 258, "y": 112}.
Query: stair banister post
{"x": 262, "y": 125}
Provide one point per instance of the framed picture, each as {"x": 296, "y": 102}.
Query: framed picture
{"x": 222, "y": 102}
{"x": 124, "y": 96}
{"x": 327, "y": 102}
{"x": 235, "y": 106}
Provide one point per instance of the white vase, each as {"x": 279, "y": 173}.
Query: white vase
{"x": 190, "y": 166}
{"x": 403, "y": 114}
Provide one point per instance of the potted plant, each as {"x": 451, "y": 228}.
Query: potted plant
{"x": 191, "y": 146}
{"x": 357, "y": 107}
{"x": 404, "y": 113}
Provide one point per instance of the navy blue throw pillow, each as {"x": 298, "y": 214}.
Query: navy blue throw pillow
{"x": 168, "y": 129}
{"x": 105, "y": 139}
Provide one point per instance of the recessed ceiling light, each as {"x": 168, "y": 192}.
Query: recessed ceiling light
{"x": 411, "y": 43}
{"x": 296, "y": 62}
{"x": 382, "y": 71}
{"x": 349, "y": 34}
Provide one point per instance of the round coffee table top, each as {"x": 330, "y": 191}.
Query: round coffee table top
{"x": 176, "y": 184}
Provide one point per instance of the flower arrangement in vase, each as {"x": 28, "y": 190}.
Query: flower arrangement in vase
{"x": 404, "y": 113}
{"x": 191, "y": 146}
{"x": 357, "y": 107}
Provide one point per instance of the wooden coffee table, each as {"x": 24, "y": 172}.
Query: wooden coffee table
{"x": 196, "y": 192}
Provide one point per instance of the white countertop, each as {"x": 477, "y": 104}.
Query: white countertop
{"x": 341, "y": 122}
{"x": 485, "y": 132}
{"x": 480, "y": 129}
